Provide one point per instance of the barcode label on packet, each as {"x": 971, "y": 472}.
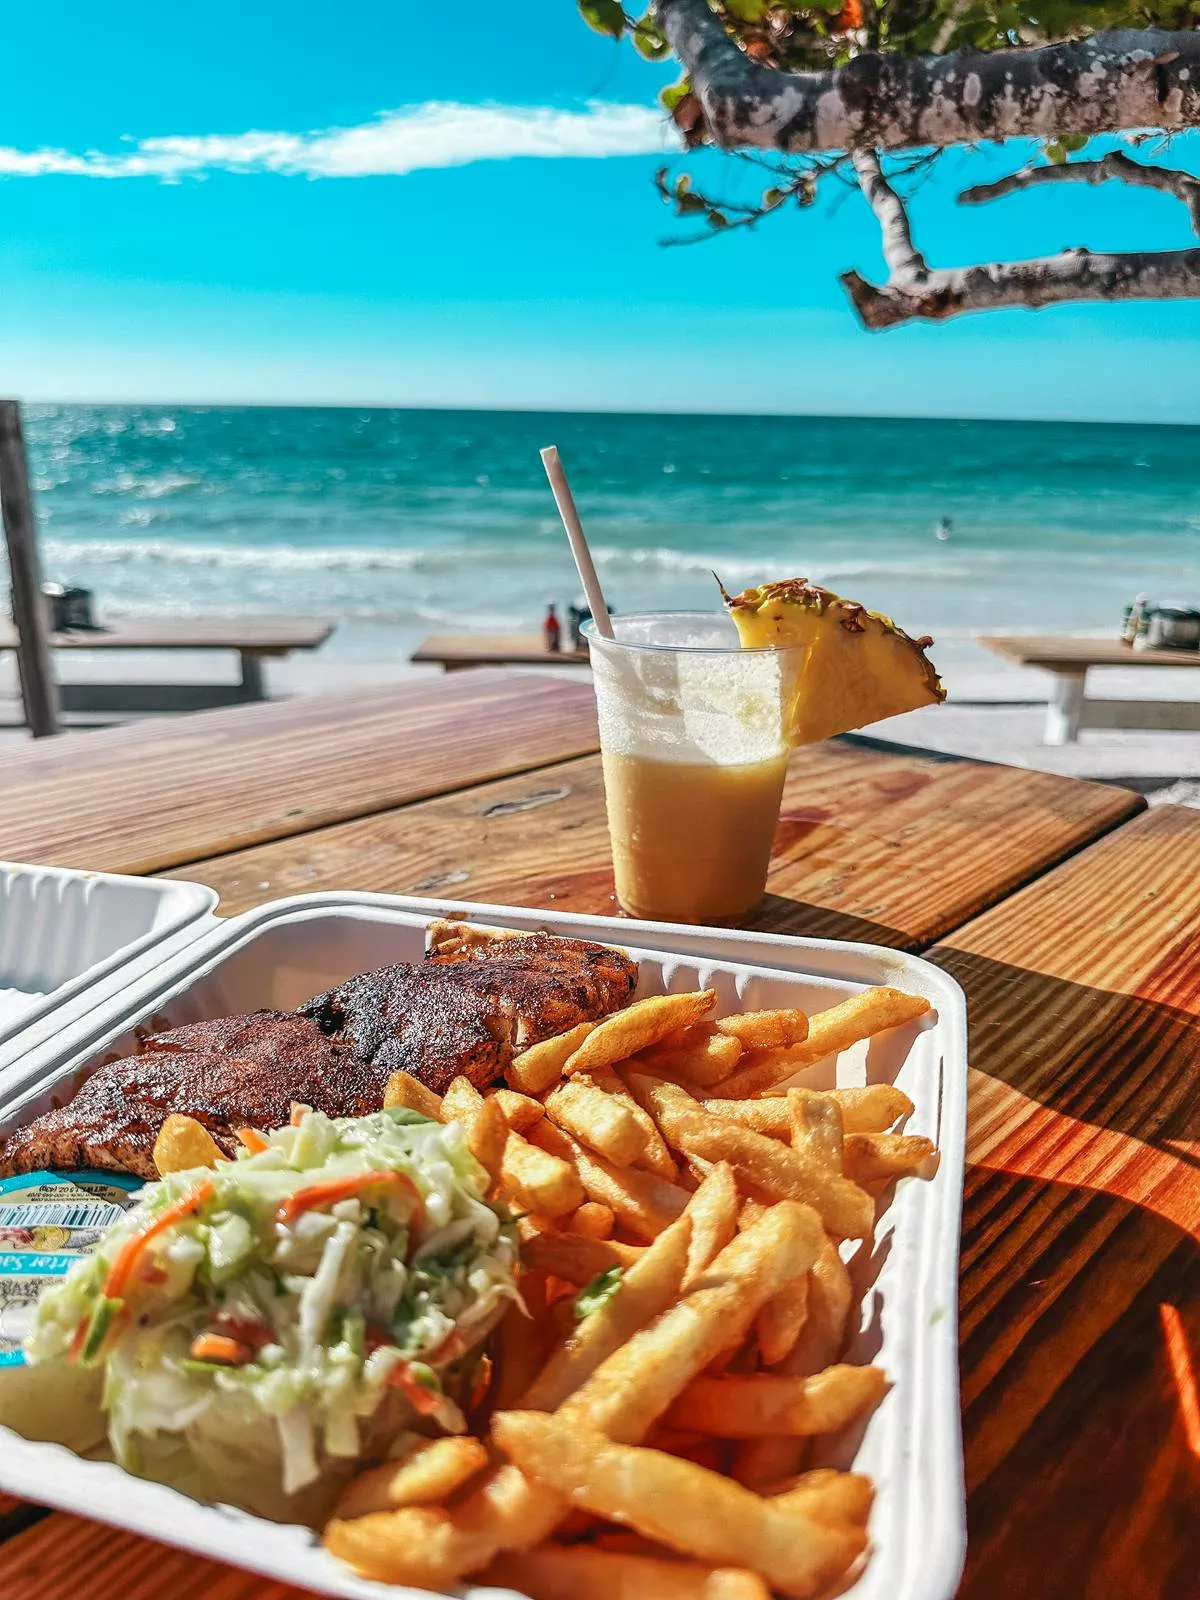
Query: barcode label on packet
{"x": 97, "y": 1215}
{"x": 48, "y": 1220}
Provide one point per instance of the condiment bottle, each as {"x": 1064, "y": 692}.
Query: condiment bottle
{"x": 552, "y": 630}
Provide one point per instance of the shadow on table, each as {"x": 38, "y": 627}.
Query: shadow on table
{"x": 1080, "y": 1345}
{"x": 1128, "y": 1065}
{"x": 778, "y": 913}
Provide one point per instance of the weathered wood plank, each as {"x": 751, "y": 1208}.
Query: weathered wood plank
{"x": 457, "y": 651}
{"x": 875, "y": 843}
{"x": 270, "y": 635}
{"x": 1060, "y": 650}
{"x": 1080, "y": 1299}
{"x": 147, "y": 798}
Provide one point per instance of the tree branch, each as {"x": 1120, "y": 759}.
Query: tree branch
{"x": 1052, "y": 280}
{"x": 1127, "y": 78}
{"x": 1115, "y": 164}
{"x": 904, "y": 261}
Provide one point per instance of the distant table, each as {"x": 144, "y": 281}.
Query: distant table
{"x": 1071, "y": 709}
{"x": 253, "y": 639}
{"x": 1067, "y": 911}
{"x": 454, "y": 652}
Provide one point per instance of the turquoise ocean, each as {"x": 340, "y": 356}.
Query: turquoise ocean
{"x": 399, "y": 522}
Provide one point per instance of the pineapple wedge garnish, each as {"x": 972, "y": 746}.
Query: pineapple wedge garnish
{"x": 857, "y": 666}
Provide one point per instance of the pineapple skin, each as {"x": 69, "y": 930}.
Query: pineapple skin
{"x": 859, "y": 667}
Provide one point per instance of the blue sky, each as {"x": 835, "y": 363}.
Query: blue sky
{"x": 525, "y": 280}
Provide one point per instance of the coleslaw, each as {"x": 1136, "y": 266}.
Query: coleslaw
{"x": 327, "y": 1282}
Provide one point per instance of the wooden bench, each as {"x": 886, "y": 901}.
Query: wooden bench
{"x": 454, "y": 652}
{"x": 253, "y": 639}
{"x": 1071, "y": 709}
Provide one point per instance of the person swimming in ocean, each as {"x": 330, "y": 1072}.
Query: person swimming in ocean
{"x": 944, "y": 529}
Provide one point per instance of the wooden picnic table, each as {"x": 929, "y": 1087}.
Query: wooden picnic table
{"x": 1066, "y": 910}
{"x": 252, "y": 639}
{"x": 1068, "y": 660}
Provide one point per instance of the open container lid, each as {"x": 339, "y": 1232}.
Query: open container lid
{"x": 68, "y": 938}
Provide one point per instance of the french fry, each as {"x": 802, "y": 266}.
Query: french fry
{"x": 597, "y": 1119}
{"x": 628, "y": 1393}
{"x": 713, "y": 1210}
{"x": 766, "y": 1030}
{"x": 873, "y": 1108}
{"x": 520, "y": 1111}
{"x": 824, "y": 1333}
{"x": 646, "y": 1290}
{"x": 184, "y": 1143}
{"x": 404, "y": 1090}
{"x": 432, "y": 1470}
{"x": 655, "y": 1157}
{"x": 432, "y": 1548}
{"x": 644, "y": 1204}
{"x": 816, "y": 1126}
{"x": 778, "y": 1324}
{"x": 540, "y": 1067}
{"x": 592, "y": 1220}
{"x": 770, "y": 1116}
{"x": 701, "y": 1056}
{"x": 680, "y": 1504}
{"x": 762, "y": 1404}
{"x": 861, "y": 1016}
{"x": 586, "y": 1572}
{"x": 482, "y": 1121}
{"x": 829, "y": 1496}
{"x": 538, "y": 1180}
{"x": 644, "y": 1023}
{"x": 818, "y": 1344}
{"x": 760, "y": 1162}
{"x": 880, "y": 1157}
{"x": 576, "y": 1259}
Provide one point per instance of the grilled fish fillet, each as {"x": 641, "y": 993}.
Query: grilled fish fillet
{"x": 236, "y": 1072}
{"x": 468, "y": 1011}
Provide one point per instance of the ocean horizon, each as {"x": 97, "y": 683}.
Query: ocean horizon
{"x": 398, "y": 521}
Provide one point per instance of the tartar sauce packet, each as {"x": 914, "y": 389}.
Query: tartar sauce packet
{"x": 47, "y": 1221}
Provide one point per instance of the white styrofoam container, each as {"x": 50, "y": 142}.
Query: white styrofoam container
{"x": 66, "y": 935}
{"x": 907, "y": 1281}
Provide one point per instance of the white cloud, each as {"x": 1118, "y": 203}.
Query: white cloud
{"x": 438, "y": 134}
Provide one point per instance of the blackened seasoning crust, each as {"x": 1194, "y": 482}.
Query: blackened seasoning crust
{"x": 115, "y": 1118}
{"x": 470, "y": 1012}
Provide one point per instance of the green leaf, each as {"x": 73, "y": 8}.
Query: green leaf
{"x": 597, "y": 1293}
{"x": 649, "y": 40}
{"x": 674, "y": 93}
{"x": 603, "y": 16}
{"x": 1055, "y": 152}
{"x": 749, "y": 10}
{"x": 683, "y": 185}
{"x": 772, "y": 198}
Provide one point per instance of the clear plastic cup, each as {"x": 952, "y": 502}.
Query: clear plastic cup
{"x": 692, "y": 741}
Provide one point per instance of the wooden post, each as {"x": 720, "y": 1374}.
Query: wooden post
{"x": 39, "y": 692}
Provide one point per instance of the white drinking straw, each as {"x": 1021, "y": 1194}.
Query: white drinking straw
{"x": 579, "y": 546}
